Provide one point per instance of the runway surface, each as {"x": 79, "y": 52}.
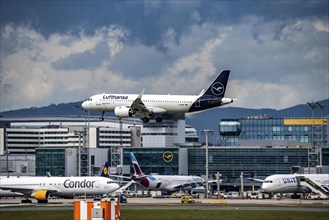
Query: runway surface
{"x": 174, "y": 204}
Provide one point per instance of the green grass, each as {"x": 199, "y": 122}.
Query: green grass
{"x": 172, "y": 214}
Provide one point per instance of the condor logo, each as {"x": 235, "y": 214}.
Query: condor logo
{"x": 78, "y": 184}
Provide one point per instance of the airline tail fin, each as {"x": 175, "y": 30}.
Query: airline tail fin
{"x": 137, "y": 169}
{"x": 105, "y": 170}
{"x": 218, "y": 87}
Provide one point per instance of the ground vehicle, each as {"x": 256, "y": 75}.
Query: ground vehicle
{"x": 123, "y": 198}
{"x": 187, "y": 199}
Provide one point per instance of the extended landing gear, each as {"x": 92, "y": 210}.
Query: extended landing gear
{"x": 145, "y": 120}
{"x": 43, "y": 201}
{"x": 158, "y": 119}
{"x": 26, "y": 201}
{"x": 102, "y": 117}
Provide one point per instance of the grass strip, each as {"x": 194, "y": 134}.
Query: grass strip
{"x": 173, "y": 214}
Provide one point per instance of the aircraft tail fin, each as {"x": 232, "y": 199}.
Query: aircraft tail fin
{"x": 218, "y": 87}
{"x": 137, "y": 169}
{"x": 105, "y": 170}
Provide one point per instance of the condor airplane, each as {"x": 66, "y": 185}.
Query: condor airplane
{"x": 296, "y": 183}
{"x": 169, "y": 183}
{"x": 40, "y": 188}
{"x": 146, "y": 106}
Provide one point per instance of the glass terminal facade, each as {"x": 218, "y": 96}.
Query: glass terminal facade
{"x": 163, "y": 161}
{"x": 265, "y": 128}
{"x": 50, "y": 160}
{"x": 254, "y": 162}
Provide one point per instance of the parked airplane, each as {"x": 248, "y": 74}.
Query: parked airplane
{"x": 295, "y": 183}
{"x": 170, "y": 183}
{"x": 146, "y": 106}
{"x": 41, "y": 188}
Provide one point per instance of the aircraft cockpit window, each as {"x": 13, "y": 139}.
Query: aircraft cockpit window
{"x": 268, "y": 181}
{"x": 90, "y": 99}
{"x": 109, "y": 182}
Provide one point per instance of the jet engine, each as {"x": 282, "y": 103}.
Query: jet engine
{"x": 123, "y": 112}
{"x": 40, "y": 195}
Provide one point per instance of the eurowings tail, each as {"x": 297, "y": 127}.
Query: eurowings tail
{"x": 137, "y": 170}
{"x": 138, "y": 175}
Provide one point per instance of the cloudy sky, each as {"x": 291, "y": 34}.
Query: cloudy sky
{"x": 65, "y": 51}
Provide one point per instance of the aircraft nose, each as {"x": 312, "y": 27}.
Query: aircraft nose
{"x": 116, "y": 186}
{"x": 84, "y": 105}
{"x": 264, "y": 188}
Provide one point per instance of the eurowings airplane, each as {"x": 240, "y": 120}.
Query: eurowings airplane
{"x": 170, "y": 183}
{"x": 291, "y": 183}
{"x": 146, "y": 106}
{"x": 40, "y": 188}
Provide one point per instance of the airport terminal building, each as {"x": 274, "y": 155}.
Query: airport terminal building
{"x": 71, "y": 146}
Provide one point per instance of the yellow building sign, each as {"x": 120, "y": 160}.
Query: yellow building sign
{"x": 304, "y": 121}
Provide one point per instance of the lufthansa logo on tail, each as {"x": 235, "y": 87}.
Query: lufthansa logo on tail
{"x": 105, "y": 170}
{"x": 217, "y": 88}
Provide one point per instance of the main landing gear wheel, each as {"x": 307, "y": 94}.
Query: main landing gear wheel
{"x": 26, "y": 201}
{"x": 158, "y": 119}
{"x": 145, "y": 120}
{"x": 42, "y": 201}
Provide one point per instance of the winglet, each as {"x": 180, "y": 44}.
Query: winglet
{"x": 141, "y": 94}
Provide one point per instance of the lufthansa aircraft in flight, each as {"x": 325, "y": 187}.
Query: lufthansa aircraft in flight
{"x": 146, "y": 106}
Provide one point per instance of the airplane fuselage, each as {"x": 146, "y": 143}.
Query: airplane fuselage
{"x": 170, "y": 183}
{"x": 65, "y": 187}
{"x": 290, "y": 183}
{"x": 170, "y": 103}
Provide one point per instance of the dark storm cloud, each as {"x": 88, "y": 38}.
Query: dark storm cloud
{"x": 272, "y": 47}
{"x": 88, "y": 60}
{"x": 143, "y": 61}
{"x": 147, "y": 21}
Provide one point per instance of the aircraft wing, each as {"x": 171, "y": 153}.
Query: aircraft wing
{"x": 17, "y": 190}
{"x": 140, "y": 110}
{"x": 123, "y": 177}
{"x": 258, "y": 180}
{"x": 27, "y": 191}
{"x": 138, "y": 105}
{"x": 191, "y": 184}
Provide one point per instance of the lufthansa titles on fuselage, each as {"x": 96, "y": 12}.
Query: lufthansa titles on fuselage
{"x": 115, "y": 97}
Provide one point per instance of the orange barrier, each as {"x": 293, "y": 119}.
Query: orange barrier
{"x": 100, "y": 210}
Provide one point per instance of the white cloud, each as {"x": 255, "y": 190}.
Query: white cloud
{"x": 274, "y": 64}
{"x": 29, "y": 78}
{"x": 321, "y": 26}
